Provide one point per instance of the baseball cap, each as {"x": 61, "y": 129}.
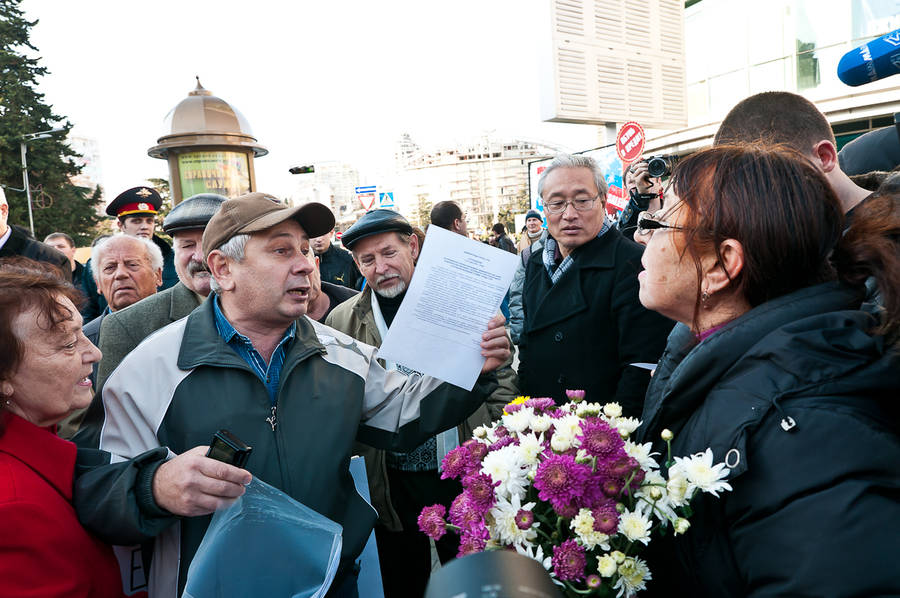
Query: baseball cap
{"x": 256, "y": 212}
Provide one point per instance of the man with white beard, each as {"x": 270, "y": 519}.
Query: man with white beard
{"x": 385, "y": 251}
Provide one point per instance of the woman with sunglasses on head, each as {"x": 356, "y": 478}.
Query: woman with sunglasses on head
{"x": 776, "y": 366}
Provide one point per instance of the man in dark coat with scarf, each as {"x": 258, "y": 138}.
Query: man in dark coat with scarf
{"x": 584, "y": 326}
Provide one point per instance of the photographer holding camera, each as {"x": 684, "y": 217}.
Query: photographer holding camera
{"x": 643, "y": 181}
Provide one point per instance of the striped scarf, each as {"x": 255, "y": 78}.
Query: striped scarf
{"x": 551, "y": 254}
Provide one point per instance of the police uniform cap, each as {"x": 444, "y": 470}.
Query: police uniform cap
{"x": 137, "y": 200}
{"x": 192, "y": 213}
{"x": 374, "y": 223}
{"x": 255, "y": 212}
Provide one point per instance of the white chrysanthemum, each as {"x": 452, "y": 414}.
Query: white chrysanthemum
{"x": 588, "y": 409}
{"x": 537, "y": 553}
{"x": 612, "y": 410}
{"x": 561, "y": 441}
{"x": 633, "y": 575}
{"x": 531, "y": 447}
{"x": 583, "y": 526}
{"x": 703, "y": 475}
{"x": 635, "y": 526}
{"x": 642, "y": 454}
{"x": 504, "y": 527}
{"x": 681, "y": 525}
{"x": 570, "y": 424}
{"x": 661, "y": 508}
{"x": 606, "y": 565}
{"x": 541, "y": 423}
{"x": 519, "y": 420}
{"x": 507, "y": 466}
{"x": 627, "y": 424}
{"x": 677, "y": 486}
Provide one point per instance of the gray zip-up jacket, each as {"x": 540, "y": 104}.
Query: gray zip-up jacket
{"x": 183, "y": 383}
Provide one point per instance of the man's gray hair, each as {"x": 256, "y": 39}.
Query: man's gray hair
{"x": 575, "y": 161}
{"x": 154, "y": 254}
{"x": 233, "y": 249}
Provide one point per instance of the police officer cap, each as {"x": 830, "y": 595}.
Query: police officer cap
{"x": 193, "y": 213}
{"x": 137, "y": 200}
{"x": 375, "y": 223}
{"x": 534, "y": 214}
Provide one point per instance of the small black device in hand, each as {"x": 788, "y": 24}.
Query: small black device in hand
{"x": 228, "y": 448}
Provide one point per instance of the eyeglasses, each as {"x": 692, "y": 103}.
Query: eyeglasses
{"x": 646, "y": 224}
{"x": 581, "y": 204}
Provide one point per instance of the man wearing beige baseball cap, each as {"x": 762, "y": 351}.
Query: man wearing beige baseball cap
{"x": 298, "y": 392}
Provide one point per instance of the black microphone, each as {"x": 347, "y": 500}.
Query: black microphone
{"x": 875, "y": 60}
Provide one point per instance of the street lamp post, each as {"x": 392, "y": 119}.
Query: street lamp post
{"x": 23, "y": 147}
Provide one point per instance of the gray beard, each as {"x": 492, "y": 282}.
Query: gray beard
{"x": 394, "y": 290}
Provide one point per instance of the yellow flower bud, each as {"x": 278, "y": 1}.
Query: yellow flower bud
{"x": 655, "y": 493}
{"x": 667, "y": 435}
{"x": 618, "y": 556}
{"x": 681, "y": 525}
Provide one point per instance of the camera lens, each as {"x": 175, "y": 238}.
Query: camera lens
{"x": 658, "y": 167}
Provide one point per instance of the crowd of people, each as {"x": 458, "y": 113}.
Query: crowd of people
{"x": 750, "y": 304}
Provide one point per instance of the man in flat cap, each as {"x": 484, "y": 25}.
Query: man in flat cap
{"x": 123, "y": 330}
{"x": 401, "y": 483}
{"x": 135, "y": 211}
{"x": 248, "y": 360}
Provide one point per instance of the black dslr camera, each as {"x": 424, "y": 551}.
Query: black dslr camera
{"x": 660, "y": 166}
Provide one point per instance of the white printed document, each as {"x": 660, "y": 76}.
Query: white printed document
{"x": 456, "y": 289}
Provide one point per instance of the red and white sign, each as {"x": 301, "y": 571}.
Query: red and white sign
{"x": 367, "y": 200}
{"x": 630, "y": 142}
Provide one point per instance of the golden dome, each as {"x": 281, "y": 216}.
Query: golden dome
{"x": 202, "y": 119}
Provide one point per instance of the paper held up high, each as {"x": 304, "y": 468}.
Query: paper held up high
{"x": 456, "y": 289}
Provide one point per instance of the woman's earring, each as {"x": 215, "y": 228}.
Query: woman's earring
{"x": 704, "y": 299}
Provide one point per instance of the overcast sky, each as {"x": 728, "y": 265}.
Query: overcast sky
{"x": 332, "y": 80}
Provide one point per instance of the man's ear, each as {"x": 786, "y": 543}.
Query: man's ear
{"x": 159, "y": 277}
{"x": 825, "y": 156}
{"x": 720, "y": 274}
{"x": 414, "y": 245}
{"x": 220, "y": 269}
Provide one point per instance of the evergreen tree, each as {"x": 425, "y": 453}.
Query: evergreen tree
{"x": 57, "y": 204}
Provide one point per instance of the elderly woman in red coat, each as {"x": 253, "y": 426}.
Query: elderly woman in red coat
{"x": 45, "y": 361}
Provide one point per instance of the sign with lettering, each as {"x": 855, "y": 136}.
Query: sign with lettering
{"x": 630, "y": 142}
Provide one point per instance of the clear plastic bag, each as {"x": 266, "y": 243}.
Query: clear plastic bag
{"x": 265, "y": 544}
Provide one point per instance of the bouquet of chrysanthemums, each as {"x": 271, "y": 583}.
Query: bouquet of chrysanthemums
{"x": 565, "y": 486}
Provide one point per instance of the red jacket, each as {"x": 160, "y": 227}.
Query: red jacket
{"x": 44, "y": 551}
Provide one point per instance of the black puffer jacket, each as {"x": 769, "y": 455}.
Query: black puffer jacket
{"x": 802, "y": 402}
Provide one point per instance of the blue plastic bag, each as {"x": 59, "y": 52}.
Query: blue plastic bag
{"x": 265, "y": 544}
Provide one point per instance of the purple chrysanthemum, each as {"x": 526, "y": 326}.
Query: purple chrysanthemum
{"x": 593, "y": 581}
{"x": 477, "y": 450}
{"x": 456, "y": 463}
{"x": 431, "y": 521}
{"x": 622, "y": 465}
{"x": 524, "y": 519}
{"x": 479, "y": 488}
{"x": 600, "y": 439}
{"x": 512, "y": 407}
{"x": 606, "y": 518}
{"x": 560, "y": 480}
{"x": 540, "y": 404}
{"x": 505, "y": 441}
{"x": 569, "y": 561}
{"x": 462, "y": 513}
{"x": 500, "y": 432}
{"x": 612, "y": 486}
{"x": 575, "y": 395}
{"x": 473, "y": 538}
